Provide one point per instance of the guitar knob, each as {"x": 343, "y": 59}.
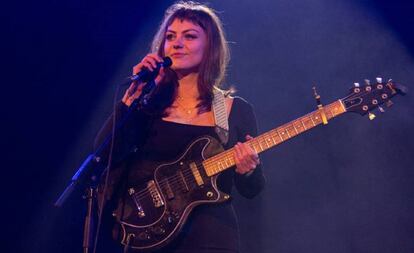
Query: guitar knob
{"x": 379, "y": 79}
{"x": 170, "y": 219}
{"x": 158, "y": 230}
{"x": 144, "y": 236}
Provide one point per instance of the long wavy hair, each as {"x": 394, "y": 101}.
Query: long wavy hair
{"x": 213, "y": 66}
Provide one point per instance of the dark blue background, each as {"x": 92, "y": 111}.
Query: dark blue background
{"x": 344, "y": 187}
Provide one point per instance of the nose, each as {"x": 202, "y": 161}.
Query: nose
{"x": 178, "y": 43}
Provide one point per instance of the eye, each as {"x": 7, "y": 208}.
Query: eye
{"x": 169, "y": 36}
{"x": 190, "y": 36}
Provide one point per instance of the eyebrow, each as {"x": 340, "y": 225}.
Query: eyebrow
{"x": 188, "y": 30}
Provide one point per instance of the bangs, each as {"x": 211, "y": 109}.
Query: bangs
{"x": 198, "y": 17}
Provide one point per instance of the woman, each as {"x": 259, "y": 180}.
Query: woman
{"x": 179, "y": 111}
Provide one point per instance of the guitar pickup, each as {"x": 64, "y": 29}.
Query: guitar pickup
{"x": 196, "y": 174}
{"x": 155, "y": 194}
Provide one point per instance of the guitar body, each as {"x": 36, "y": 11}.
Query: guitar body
{"x": 154, "y": 212}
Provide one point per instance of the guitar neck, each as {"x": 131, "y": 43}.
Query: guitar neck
{"x": 276, "y": 136}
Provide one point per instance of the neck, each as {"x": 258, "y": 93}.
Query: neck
{"x": 187, "y": 87}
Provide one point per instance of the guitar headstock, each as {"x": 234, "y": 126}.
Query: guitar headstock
{"x": 364, "y": 98}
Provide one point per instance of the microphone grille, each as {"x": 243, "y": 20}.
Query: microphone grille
{"x": 167, "y": 62}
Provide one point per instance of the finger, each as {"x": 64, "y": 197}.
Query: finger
{"x": 156, "y": 57}
{"x": 250, "y": 151}
{"x": 237, "y": 159}
{"x": 250, "y": 158}
{"x": 148, "y": 65}
{"x": 137, "y": 68}
{"x": 151, "y": 60}
{"x": 248, "y": 137}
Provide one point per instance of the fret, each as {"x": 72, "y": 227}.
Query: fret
{"x": 294, "y": 127}
{"x": 271, "y": 135}
{"x": 253, "y": 145}
{"x": 216, "y": 168}
{"x": 332, "y": 115}
{"x": 260, "y": 145}
{"x": 308, "y": 120}
{"x": 303, "y": 125}
{"x": 312, "y": 120}
{"x": 231, "y": 160}
{"x": 226, "y": 161}
{"x": 283, "y": 134}
{"x": 317, "y": 118}
{"x": 278, "y": 134}
{"x": 287, "y": 132}
{"x": 267, "y": 140}
{"x": 334, "y": 111}
{"x": 299, "y": 127}
{"x": 270, "y": 139}
{"x": 218, "y": 163}
{"x": 275, "y": 134}
{"x": 291, "y": 132}
{"x": 264, "y": 140}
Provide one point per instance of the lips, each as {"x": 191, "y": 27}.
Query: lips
{"x": 178, "y": 55}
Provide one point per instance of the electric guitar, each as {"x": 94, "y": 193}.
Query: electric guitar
{"x": 155, "y": 212}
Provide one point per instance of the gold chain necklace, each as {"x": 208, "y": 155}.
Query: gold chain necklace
{"x": 186, "y": 109}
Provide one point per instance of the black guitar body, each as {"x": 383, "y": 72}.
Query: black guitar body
{"x": 155, "y": 212}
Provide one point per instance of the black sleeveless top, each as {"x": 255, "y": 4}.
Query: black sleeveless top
{"x": 210, "y": 228}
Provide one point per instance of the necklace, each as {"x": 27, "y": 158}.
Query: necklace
{"x": 186, "y": 109}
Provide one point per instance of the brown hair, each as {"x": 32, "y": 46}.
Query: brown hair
{"x": 215, "y": 59}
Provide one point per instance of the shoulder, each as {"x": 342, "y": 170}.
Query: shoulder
{"x": 241, "y": 105}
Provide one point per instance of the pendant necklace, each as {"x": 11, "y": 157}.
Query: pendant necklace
{"x": 187, "y": 110}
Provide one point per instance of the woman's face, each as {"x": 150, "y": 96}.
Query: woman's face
{"x": 185, "y": 43}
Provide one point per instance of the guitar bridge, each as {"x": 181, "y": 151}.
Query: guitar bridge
{"x": 141, "y": 213}
{"x": 155, "y": 194}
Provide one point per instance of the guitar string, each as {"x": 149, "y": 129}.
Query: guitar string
{"x": 187, "y": 174}
{"x": 177, "y": 180}
{"x": 173, "y": 180}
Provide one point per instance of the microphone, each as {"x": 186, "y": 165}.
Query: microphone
{"x": 146, "y": 75}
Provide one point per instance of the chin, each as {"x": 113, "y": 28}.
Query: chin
{"x": 183, "y": 68}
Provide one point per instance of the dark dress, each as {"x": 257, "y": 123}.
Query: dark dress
{"x": 210, "y": 228}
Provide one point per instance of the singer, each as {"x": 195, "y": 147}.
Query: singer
{"x": 182, "y": 109}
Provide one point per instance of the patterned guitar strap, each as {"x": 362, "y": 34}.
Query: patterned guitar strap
{"x": 220, "y": 116}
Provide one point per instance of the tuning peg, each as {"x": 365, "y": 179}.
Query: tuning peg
{"x": 356, "y": 85}
{"x": 367, "y": 81}
{"x": 371, "y": 116}
{"x": 389, "y": 103}
{"x": 381, "y": 109}
{"x": 379, "y": 79}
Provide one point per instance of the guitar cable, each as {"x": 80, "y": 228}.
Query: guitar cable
{"x": 108, "y": 169}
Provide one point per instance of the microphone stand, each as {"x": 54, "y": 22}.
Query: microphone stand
{"x": 86, "y": 175}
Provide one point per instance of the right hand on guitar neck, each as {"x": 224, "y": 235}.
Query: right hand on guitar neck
{"x": 134, "y": 90}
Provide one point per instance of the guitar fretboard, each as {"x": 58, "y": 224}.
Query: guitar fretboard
{"x": 267, "y": 140}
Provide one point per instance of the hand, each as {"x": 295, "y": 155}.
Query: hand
{"x": 245, "y": 157}
{"x": 150, "y": 62}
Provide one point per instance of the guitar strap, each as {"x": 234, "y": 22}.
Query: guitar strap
{"x": 220, "y": 115}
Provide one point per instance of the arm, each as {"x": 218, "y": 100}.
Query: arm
{"x": 249, "y": 179}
